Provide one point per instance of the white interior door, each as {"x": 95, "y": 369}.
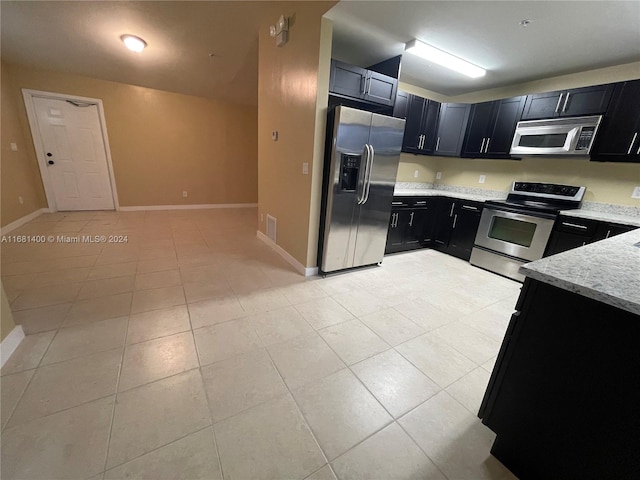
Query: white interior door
{"x": 75, "y": 155}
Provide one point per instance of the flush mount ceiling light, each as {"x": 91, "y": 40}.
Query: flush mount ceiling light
{"x": 133, "y": 43}
{"x": 445, "y": 59}
{"x": 525, "y": 23}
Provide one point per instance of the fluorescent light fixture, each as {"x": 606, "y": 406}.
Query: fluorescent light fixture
{"x": 443, "y": 58}
{"x": 133, "y": 43}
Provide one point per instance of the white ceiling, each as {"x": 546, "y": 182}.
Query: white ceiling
{"x": 564, "y": 37}
{"x": 83, "y": 38}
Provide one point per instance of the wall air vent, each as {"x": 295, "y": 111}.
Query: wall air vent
{"x": 271, "y": 227}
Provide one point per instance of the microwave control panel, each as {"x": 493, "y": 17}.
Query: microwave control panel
{"x": 585, "y": 138}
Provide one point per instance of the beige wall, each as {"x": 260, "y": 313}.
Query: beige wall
{"x": 19, "y": 173}
{"x": 605, "y": 182}
{"x": 6, "y": 317}
{"x": 288, "y": 79}
{"x": 163, "y": 143}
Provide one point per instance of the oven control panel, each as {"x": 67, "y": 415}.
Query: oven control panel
{"x": 546, "y": 188}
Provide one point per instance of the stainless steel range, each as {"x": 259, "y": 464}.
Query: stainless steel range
{"x": 516, "y": 231}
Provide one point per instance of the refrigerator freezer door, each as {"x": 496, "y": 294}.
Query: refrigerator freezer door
{"x": 347, "y": 161}
{"x": 385, "y": 142}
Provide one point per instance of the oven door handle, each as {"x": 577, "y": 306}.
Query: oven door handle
{"x": 496, "y": 209}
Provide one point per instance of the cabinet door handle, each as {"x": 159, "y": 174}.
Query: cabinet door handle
{"x": 369, "y": 87}
{"x": 633, "y": 140}
{"x": 453, "y": 205}
{"x": 469, "y": 207}
{"x": 411, "y": 219}
{"x": 558, "y": 104}
{"x": 363, "y": 83}
{"x": 575, "y": 225}
{"x": 396, "y": 203}
{"x": 608, "y": 233}
{"x": 421, "y": 203}
{"x": 482, "y": 146}
{"x": 438, "y": 144}
{"x": 455, "y": 220}
{"x": 486, "y": 147}
{"x": 566, "y": 100}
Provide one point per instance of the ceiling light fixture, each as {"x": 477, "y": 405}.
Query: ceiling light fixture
{"x": 525, "y": 23}
{"x": 445, "y": 59}
{"x": 133, "y": 43}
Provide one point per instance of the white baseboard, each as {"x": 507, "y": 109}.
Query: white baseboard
{"x": 300, "y": 268}
{"x": 10, "y": 343}
{"x": 200, "y": 206}
{"x": 21, "y": 221}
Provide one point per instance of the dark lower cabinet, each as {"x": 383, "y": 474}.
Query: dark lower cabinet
{"x": 411, "y": 224}
{"x": 564, "y": 393}
{"x": 457, "y": 225}
{"x": 466, "y": 218}
{"x": 573, "y": 232}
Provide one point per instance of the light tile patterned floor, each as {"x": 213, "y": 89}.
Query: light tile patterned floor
{"x": 192, "y": 350}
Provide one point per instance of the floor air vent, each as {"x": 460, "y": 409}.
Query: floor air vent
{"x": 271, "y": 227}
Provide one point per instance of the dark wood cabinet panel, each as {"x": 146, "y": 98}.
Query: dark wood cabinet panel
{"x": 411, "y": 224}
{"x": 360, "y": 83}
{"x": 452, "y": 125}
{"x": 466, "y": 218}
{"x": 563, "y": 395}
{"x": 568, "y": 103}
{"x": 380, "y": 88}
{"x": 420, "y": 127}
{"x": 491, "y": 127}
{"x": 504, "y": 125}
{"x": 618, "y": 139}
{"x": 444, "y": 223}
{"x": 401, "y": 105}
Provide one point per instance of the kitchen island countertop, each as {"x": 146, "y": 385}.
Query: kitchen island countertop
{"x": 607, "y": 271}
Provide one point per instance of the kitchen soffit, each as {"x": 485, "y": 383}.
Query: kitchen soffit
{"x": 563, "y": 37}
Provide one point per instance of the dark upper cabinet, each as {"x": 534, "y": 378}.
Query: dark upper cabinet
{"x": 452, "y": 124}
{"x": 380, "y": 88}
{"x": 568, "y": 103}
{"x": 618, "y": 138}
{"x": 466, "y": 218}
{"x": 420, "y": 126}
{"x": 363, "y": 84}
{"x": 491, "y": 127}
{"x": 401, "y": 105}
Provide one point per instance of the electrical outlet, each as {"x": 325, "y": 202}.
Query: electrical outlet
{"x": 415, "y": 174}
{"x": 481, "y": 179}
{"x": 184, "y": 194}
{"x": 305, "y": 168}
{"x": 438, "y": 175}
{"x": 274, "y": 135}
{"x": 636, "y": 193}
{"x": 20, "y": 200}
{"x": 13, "y": 146}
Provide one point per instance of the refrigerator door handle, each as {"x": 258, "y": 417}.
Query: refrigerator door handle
{"x": 370, "y": 162}
{"x": 365, "y": 168}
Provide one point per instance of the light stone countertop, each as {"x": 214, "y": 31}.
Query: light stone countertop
{"x": 603, "y": 216}
{"x": 607, "y": 271}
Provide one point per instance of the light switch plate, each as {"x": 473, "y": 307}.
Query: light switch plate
{"x": 636, "y": 193}
{"x": 415, "y": 174}
{"x": 481, "y": 179}
{"x": 274, "y": 135}
{"x": 13, "y": 146}
{"x": 438, "y": 175}
{"x": 305, "y": 168}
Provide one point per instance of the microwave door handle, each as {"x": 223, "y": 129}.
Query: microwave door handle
{"x": 573, "y": 136}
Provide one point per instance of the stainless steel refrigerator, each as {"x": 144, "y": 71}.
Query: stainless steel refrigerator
{"x": 361, "y": 163}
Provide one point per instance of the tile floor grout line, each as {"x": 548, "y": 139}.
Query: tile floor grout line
{"x": 115, "y": 398}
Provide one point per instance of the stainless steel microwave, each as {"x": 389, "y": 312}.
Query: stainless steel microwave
{"x": 556, "y": 136}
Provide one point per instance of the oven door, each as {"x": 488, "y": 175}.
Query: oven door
{"x": 519, "y": 235}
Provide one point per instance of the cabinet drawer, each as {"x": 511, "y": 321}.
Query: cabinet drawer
{"x": 578, "y": 226}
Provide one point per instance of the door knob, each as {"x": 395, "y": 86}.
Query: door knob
{"x": 51, "y": 162}
{"x": 49, "y": 154}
